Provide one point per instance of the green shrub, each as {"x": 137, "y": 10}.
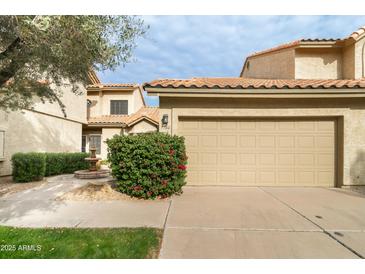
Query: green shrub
{"x": 148, "y": 165}
{"x": 28, "y": 167}
{"x": 61, "y": 163}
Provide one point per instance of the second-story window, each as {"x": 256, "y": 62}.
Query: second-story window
{"x": 119, "y": 107}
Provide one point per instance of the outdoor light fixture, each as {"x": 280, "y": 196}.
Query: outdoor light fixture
{"x": 165, "y": 120}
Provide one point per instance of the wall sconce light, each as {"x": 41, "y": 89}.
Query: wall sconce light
{"x": 165, "y": 120}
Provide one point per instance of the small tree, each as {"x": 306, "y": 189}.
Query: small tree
{"x": 37, "y": 52}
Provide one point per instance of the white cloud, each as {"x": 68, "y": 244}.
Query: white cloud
{"x": 192, "y": 46}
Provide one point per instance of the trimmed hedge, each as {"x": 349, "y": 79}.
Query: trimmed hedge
{"x": 33, "y": 166}
{"x": 148, "y": 165}
{"x": 60, "y": 163}
{"x": 28, "y": 166}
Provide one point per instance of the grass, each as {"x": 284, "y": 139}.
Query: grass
{"x": 79, "y": 243}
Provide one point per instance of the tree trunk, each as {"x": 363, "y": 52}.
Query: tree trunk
{"x": 14, "y": 63}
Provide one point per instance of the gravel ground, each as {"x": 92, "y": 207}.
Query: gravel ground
{"x": 95, "y": 192}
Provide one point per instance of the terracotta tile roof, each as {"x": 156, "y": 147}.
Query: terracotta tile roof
{"x": 295, "y": 43}
{"x": 93, "y": 77}
{"x": 280, "y": 47}
{"x": 149, "y": 113}
{"x": 118, "y": 85}
{"x": 356, "y": 34}
{"x": 248, "y": 83}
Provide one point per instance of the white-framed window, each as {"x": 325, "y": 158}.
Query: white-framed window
{"x": 95, "y": 141}
{"x": 2, "y": 144}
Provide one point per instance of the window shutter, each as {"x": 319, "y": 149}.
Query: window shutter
{"x": 119, "y": 107}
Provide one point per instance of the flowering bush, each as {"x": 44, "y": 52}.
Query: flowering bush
{"x": 148, "y": 165}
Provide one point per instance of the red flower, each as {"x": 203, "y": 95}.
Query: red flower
{"x": 171, "y": 152}
{"x": 137, "y": 188}
{"x": 164, "y": 182}
{"x": 182, "y": 167}
{"x": 149, "y": 193}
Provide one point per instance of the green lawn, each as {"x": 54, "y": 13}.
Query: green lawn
{"x": 79, "y": 243}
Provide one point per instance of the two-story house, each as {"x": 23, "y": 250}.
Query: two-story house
{"x": 294, "y": 117}
{"x": 43, "y": 128}
{"x": 115, "y": 109}
{"x": 309, "y": 59}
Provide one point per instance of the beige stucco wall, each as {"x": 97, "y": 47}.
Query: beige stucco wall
{"x": 106, "y": 134}
{"x": 101, "y": 101}
{"x": 142, "y": 127}
{"x": 318, "y": 63}
{"x": 348, "y": 62}
{"x": 349, "y": 112}
{"x": 32, "y": 131}
{"x": 359, "y": 52}
{"x": 45, "y": 128}
{"x": 75, "y": 104}
{"x": 138, "y": 100}
{"x": 276, "y": 65}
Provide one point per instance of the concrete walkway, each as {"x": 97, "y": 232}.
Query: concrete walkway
{"x": 212, "y": 222}
{"x": 37, "y": 207}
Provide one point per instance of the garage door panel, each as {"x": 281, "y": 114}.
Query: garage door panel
{"x": 266, "y": 141}
{"x": 305, "y": 177}
{"x": 209, "y": 158}
{"x": 192, "y": 141}
{"x": 304, "y": 159}
{"x": 286, "y": 177}
{"x": 208, "y": 177}
{"x": 209, "y": 125}
{"x": 325, "y": 159}
{"x": 305, "y": 126}
{"x": 245, "y": 125}
{"x": 285, "y": 159}
{"x": 227, "y": 158}
{"x": 266, "y": 159}
{"x": 305, "y": 142}
{"x": 228, "y": 177}
{"x": 266, "y": 177}
{"x": 228, "y": 141}
{"x": 247, "y": 141}
{"x": 228, "y": 125}
{"x": 247, "y": 159}
{"x": 323, "y": 142}
{"x": 209, "y": 141}
{"x": 260, "y": 152}
{"x": 247, "y": 177}
{"x": 286, "y": 141}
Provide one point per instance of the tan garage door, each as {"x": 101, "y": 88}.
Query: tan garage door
{"x": 259, "y": 152}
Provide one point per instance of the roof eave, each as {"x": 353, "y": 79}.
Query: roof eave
{"x": 121, "y": 125}
{"x": 258, "y": 93}
{"x": 141, "y": 119}
{"x": 102, "y": 88}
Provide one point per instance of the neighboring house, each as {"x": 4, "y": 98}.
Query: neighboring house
{"x": 115, "y": 109}
{"x": 294, "y": 117}
{"x": 42, "y": 129}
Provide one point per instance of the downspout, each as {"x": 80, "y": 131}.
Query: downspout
{"x": 362, "y": 60}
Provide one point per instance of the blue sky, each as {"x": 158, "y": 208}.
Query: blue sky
{"x": 216, "y": 46}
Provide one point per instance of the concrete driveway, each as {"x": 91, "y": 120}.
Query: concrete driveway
{"x": 263, "y": 222}
{"x": 212, "y": 222}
